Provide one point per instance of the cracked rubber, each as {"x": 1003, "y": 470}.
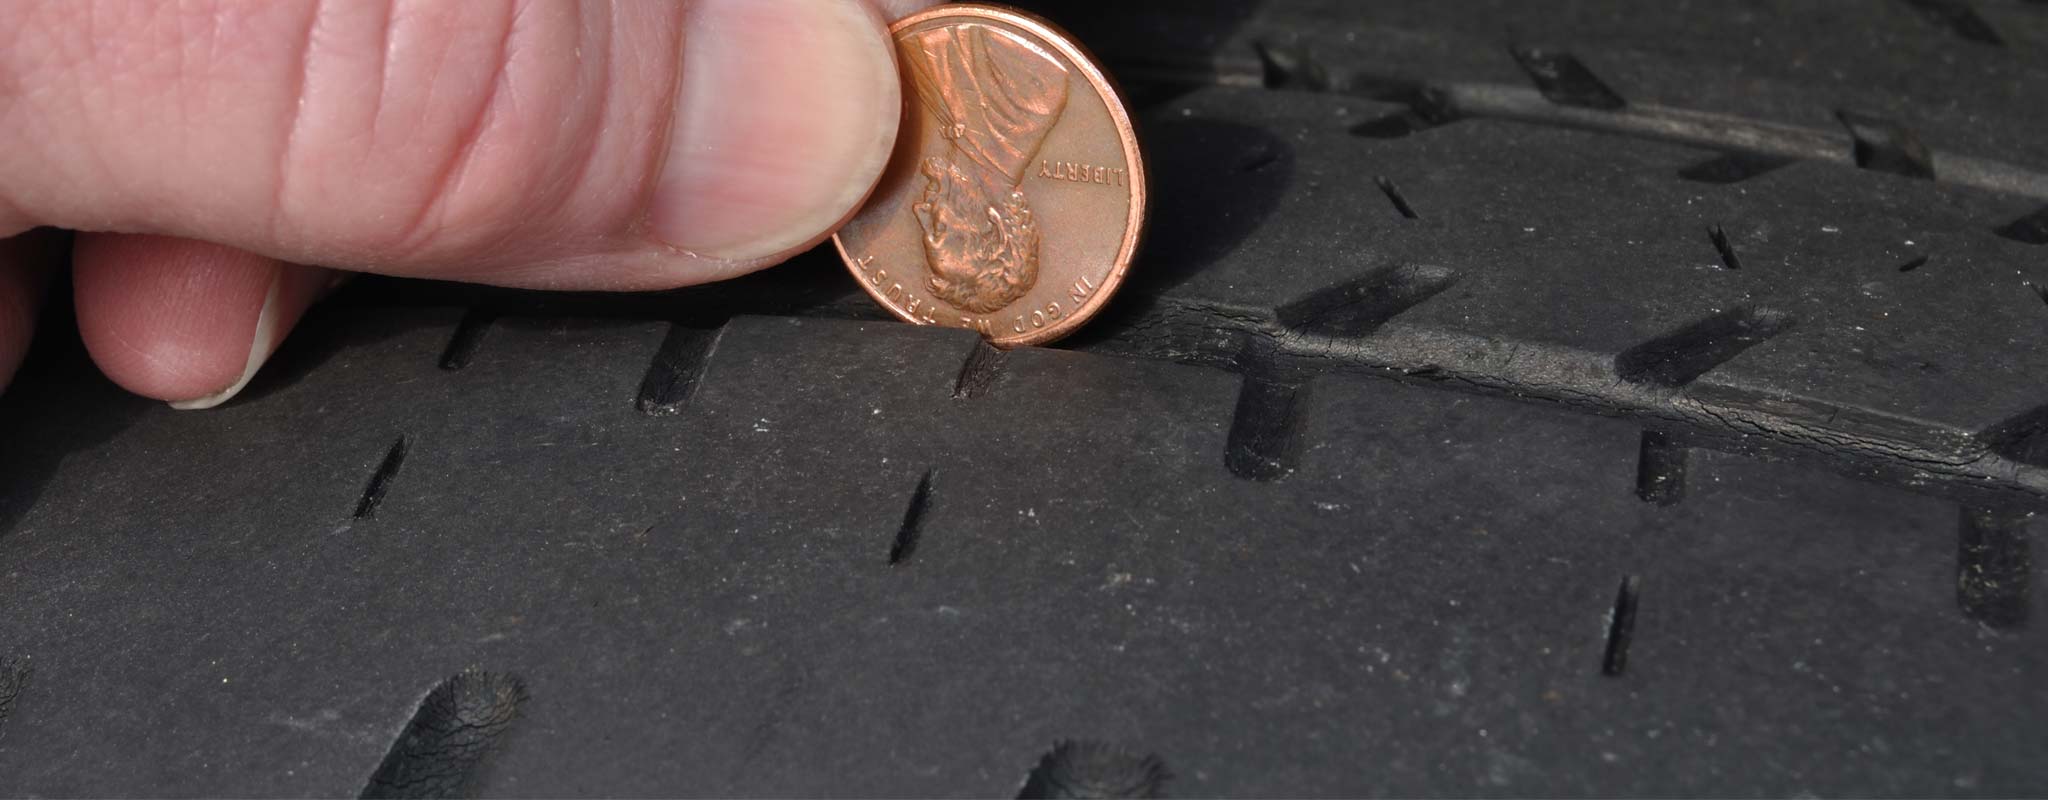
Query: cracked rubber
{"x": 1509, "y": 401}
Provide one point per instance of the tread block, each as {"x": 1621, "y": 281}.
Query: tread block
{"x": 704, "y": 602}
{"x": 1541, "y": 263}
{"x": 1786, "y": 64}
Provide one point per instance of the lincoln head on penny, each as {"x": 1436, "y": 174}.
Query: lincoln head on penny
{"x": 1014, "y": 200}
{"x": 996, "y": 96}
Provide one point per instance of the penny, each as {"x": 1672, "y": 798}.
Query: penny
{"x": 1014, "y": 199}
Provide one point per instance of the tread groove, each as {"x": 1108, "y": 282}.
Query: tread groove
{"x": 1094, "y": 769}
{"x": 2030, "y": 229}
{"x": 676, "y": 369}
{"x": 1260, "y": 444}
{"x": 981, "y": 370}
{"x": 468, "y": 336}
{"x": 1732, "y": 167}
{"x": 1394, "y": 196}
{"x": 1884, "y": 145}
{"x": 1564, "y": 80}
{"x": 1392, "y": 126}
{"x": 14, "y": 677}
{"x": 1660, "y": 469}
{"x": 2022, "y": 438}
{"x": 1719, "y": 238}
{"x": 1994, "y": 566}
{"x": 1959, "y": 18}
{"x": 1682, "y": 356}
{"x": 1356, "y": 307}
{"x": 1427, "y": 108}
{"x": 912, "y": 530}
{"x": 1621, "y": 627}
{"x": 443, "y": 748}
{"x": 1258, "y": 159}
{"x": 380, "y": 480}
{"x": 1284, "y": 67}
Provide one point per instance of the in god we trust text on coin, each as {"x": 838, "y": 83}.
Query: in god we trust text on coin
{"x": 1014, "y": 199}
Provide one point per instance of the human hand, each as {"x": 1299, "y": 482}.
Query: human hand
{"x": 210, "y": 152}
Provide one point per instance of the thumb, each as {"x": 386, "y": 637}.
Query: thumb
{"x": 781, "y": 129}
{"x": 520, "y": 142}
{"x": 516, "y": 142}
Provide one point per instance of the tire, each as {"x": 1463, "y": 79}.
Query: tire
{"x": 1600, "y": 399}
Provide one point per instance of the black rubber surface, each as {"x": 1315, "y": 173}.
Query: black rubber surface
{"x": 1512, "y": 399}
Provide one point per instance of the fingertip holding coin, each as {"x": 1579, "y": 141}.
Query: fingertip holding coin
{"x": 1013, "y": 202}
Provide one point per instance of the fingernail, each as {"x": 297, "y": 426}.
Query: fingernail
{"x": 259, "y": 351}
{"x": 784, "y": 119}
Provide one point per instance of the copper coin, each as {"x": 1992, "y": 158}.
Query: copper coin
{"x": 1013, "y": 201}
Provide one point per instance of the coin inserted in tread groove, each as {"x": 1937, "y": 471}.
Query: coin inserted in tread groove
{"x": 1014, "y": 201}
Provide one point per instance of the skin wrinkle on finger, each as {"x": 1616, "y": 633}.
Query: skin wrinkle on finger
{"x": 552, "y": 158}
{"x": 406, "y": 144}
{"x": 306, "y": 56}
{"x": 596, "y": 35}
{"x": 433, "y": 216}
